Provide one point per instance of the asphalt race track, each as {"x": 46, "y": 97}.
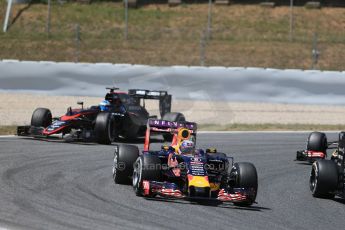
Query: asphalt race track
{"x": 54, "y": 185}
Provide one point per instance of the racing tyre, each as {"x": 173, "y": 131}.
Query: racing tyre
{"x": 172, "y": 117}
{"x": 104, "y": 128}
{"x": 323, "y": 178}
{"x": 245, "y": 176}
{"x": 124, "y": 158}
{"x": 317, "y": 142}
{"x": 41, "y": 117}
{"x": 146, "y": 167}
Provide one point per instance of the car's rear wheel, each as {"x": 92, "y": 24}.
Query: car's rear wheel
{"x": 146, "y": 167}
{"x": 124, "y": 158}
{"x": 104, "y": 128}
{"x": 179, "y": 117}
{"x": 41, "y": 117}
{"x": 245, "y": 176}
{"x": 323, "y": 178}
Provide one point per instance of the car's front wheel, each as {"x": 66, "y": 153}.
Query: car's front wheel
{"x": 317, "y": 142}
{"x": 146, "y": 167}
{"x": 104, "y": 128}
{"x": 124, "y": 158}
{"x": 245, "y": 176}
{"x": 41, "y": 117}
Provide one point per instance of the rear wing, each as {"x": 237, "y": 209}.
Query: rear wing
{"x": 182, "y": 130}
{"x": 341, "y": 150}
{"x": 163, "y": 97}
{"x": 163, "y": 126}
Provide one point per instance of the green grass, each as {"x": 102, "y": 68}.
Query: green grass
{"x": 8, "y": 130}
{"x": 242, "y": 35}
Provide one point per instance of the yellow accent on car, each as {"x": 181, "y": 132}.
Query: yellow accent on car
{"x": 215, "y": 186}
{"x": 198, "y": 181}
{"x": 211, "y": 150}
{"x": 183, "y": 134}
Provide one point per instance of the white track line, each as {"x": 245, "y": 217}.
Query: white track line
{"x": 230, "y": 132}
{"x": 6, "y": 136}
{"x": 240, "y": 132}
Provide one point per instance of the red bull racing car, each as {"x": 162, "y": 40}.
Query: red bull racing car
{"x": 171, "y": 172}
{"x": 121, "y": 114}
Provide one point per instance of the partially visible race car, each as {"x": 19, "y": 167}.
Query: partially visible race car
{"x": 327, "y": 178}
{"x": 124, "y": 115}
{"x": 199, "y": 175}
{"x": 317, "y": 146}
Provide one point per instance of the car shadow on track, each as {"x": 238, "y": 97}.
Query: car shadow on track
{"x": 304, "y": 163}
{"x": 339, "y": 200}
{"x": 212, "y": 203}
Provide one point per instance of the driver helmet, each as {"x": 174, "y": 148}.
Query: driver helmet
{"x": 187, "y": 147}
{"x": 104, "y": 105}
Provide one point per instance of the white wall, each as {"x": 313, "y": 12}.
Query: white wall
{"x": 205, "y": 83}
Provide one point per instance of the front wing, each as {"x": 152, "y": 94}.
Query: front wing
{"x": 311, "y": 156}
{"x": 171, "y": 190}
{"x": 30, "y": 131}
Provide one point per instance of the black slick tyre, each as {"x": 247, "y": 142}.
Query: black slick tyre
{"x": 146, "y": 167}
{"x": 317, "y": 142}
{"x": 41, "y": 117}
{"x": 124, "y": 158}
{"x": 245, "y": 176}
{"x": 323, "y": 178}
{"x": 104, "y": 128}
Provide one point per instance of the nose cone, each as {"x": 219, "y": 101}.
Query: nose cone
{"x": 198, "y": 181}
{"x": 199, "y": 186}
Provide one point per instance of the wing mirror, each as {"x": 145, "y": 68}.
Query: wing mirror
{"x": 69, "y": 111}
{"x": 81, "y": 103}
